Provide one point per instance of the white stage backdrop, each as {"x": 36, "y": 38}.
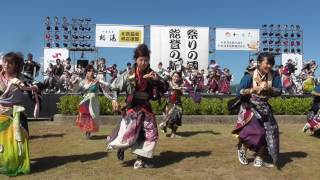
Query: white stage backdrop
{"x": 169, "y": 44}
{"x": 237, "y": 39}
{"x": 50, "y": 55}
{"x": 296, "y": 58}
{"x": 124, "y": 36}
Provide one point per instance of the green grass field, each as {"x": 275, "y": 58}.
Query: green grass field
{"x": 205, "y": 151}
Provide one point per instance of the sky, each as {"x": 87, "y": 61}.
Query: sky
{"x": 22, "y": 22}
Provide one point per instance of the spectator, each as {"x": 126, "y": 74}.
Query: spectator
{"x": 113, "y": 72}
{"x": 128, "y": 68}
{"x": 31, "y": 68}
{"x": 58, "y": 68}
{"x": 225, "y": 80}
{"x": 161, "y": 70}
{"x": 213, "y": 65}
{"x": 101, "y": 68}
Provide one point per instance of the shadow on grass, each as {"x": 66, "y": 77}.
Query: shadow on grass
{"x": 98, "y": 137}
{"x": 288, "y": 157}
{"x": 316, "y": 134}
{"x": 193, "y": 133}
{"x": 170, "y": 157}
{"x": 50, "y": 162}
{"x": 46, "y": 136}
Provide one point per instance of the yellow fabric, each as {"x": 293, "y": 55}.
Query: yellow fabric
{"x": 308, "y": 85}
{"x": 14, "y": 145}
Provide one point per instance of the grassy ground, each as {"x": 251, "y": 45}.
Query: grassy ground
{"x": 206, "y": 151}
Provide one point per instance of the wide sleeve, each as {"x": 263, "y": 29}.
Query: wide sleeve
{"x": 119, "y": 85}
{"x": 81, "y": 86}
{"x": 162, "y": 85}
{"x": 105, "y": 87}
{"x": 244, "y": 86}
{"x": 36, "y": 96}
{"x": 276, "y": 89}
{"x": 15, "y": 98}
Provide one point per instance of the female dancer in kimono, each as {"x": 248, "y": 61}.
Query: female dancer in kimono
{"x": 256, "y": 127}
{"x": 173, "y": 107}
{"x": 225, "y": 80}
{"x": 14, "y": 145}
{"x": 89, "y": 108}
{"x": 101, "y": 67}
{"x": 313, "y": 117}
{"x": 138, "y": 127}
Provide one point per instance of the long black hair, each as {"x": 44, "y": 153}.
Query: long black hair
{"x": 268, "y": 56}
{"x": 16, "y": 59}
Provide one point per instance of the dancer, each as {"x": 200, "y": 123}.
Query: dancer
{"x": 138, "y": 127}
{"x": 213, "y": 82}
{"x": 225, "y": 80}
{"x": 313, "y": 117}
{"x": 14, "y": 145}
{"x": 287, "y": 81}
{"x": 89, "y": 108}
{"x": 173, "y": 107}
{"x": 101, "y": 68}
{"x": 256, "y": 127}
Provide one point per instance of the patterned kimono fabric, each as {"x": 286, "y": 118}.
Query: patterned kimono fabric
{"x": 173, "y": 107}
{"x": 200, "y": 83}
{"x": 256, "y": 125}
{"x": 213, "y": 86}
{"x": 138, "y": 127}
{"x": 225, "y": 84}
{"x": 287, "y": 83}
{"x": 313, "y": 117}
{"x": 89, "y": 108}
{"x": 193, "y": 91}
{"x": 14, "y": 139}
{"x": 286, "y": 80}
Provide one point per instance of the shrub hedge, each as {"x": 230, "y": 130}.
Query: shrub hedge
{"x": 68, "y": 105}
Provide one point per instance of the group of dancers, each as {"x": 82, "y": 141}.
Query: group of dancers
{"x": 256, "y": 127}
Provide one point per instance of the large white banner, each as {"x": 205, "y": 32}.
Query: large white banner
{"x": 295, "y": 58}
{"x": 125, "y": 36}
{"x": 50, "y": 55}
{"x": 237, "y": 39}
{"x": 174, "y": 44}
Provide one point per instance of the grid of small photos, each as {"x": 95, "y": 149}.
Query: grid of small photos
{"x": 69, "y": 33}
{"x": 281, "y": 38}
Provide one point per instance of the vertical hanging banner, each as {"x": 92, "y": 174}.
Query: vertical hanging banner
{"x": 50, "y": 56}
{"x": 125, "y": 36}
{"x": 295, "y": 58}
{"x": 237, "y": 39}
{"x": 179, "y": 45}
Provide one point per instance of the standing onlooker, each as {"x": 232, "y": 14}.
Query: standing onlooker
{"x": 225, "y": 80}
{"x": 101, "y": 68}
{"x": 128, "y": 68}
{"x": 213, "y": 65}
{"x": 161, "y": 70}
{"x": 31, "y": 68}
{"x": 113, "y": 72}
